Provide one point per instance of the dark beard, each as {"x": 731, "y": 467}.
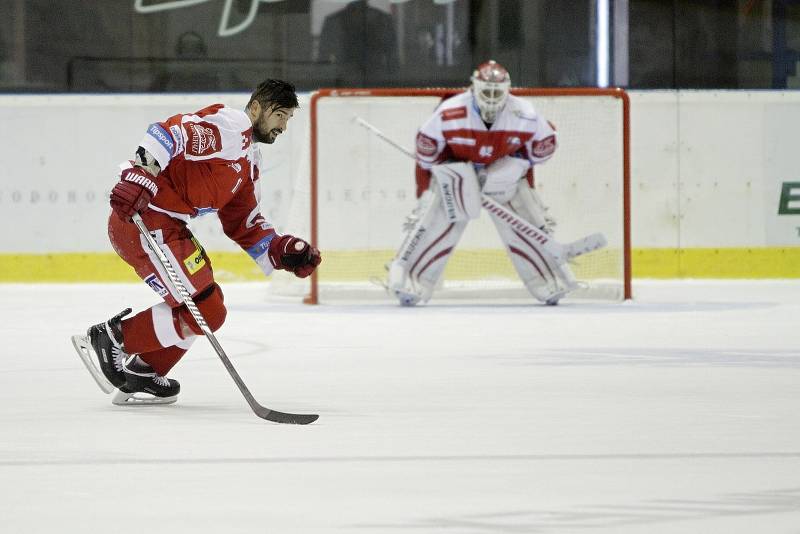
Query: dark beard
{"x": 267, "y": 138}
{"x": 259, "y": 138}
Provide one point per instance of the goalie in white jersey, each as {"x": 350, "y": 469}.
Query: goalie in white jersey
{"x": 479, "y": 149}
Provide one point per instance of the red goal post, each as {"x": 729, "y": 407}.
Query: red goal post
{"x": 612, "y": 104}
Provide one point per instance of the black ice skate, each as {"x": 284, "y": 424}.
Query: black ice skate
{"x": 144, "y": 386}
{"x": 103, "y": 353}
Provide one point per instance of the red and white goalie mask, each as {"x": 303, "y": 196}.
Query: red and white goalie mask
{"x": 490, "y": 86}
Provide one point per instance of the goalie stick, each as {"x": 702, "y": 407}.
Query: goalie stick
{"x": 383, "y": 136}
{"x": 261, "y": 411}
{"x": 559, "y": 251}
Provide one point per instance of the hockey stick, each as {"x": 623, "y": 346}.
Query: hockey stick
{"x": 383, "y": 136}
{"x": 560, "y": 252}
{"x": 261, "y": 411}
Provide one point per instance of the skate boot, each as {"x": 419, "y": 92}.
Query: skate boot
{"x": 144, "y": 386}
{"x": 103, "y": 353}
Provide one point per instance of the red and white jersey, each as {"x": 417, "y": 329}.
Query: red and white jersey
{"x": 209, "y": 164}
{"x": 456, "y": 132}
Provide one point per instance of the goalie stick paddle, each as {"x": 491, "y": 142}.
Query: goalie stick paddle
{"x": 560, "y": 252}
{"x": 261, "y": 411}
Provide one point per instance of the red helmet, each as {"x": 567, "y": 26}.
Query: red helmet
{"x": 490, "y": 86}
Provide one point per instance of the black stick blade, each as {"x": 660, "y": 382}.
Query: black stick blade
{"x": 286, "y": 418}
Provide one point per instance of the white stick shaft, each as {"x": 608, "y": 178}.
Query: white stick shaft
{"x": 383, "y": 136}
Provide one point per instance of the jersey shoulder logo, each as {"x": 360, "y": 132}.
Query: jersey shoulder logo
{"x": 545, "y": 147}
{"x": 454, "y": 113}
{"x": 203, "y": 138}
{"x": 426, "y": 146}
{"x": 175, "y": 130}
{"x": 163, "y": 137}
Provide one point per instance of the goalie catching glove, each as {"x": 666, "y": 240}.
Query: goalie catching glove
{"x": 291, "y": 253}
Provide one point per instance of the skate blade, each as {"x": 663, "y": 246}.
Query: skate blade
{"x": 84, "y": 350}
{"x": 122, "y": 398}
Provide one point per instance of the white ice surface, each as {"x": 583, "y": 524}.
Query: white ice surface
{"x": 678, "y": 412}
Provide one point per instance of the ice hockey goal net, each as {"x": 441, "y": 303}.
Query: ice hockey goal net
{"x": 360, "y": 189}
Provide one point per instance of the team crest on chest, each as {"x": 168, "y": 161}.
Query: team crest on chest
{"x": 203, "y": 139}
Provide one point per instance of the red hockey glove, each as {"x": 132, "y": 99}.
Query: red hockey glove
{"x": 133, "y": 192}
{"x": 293, "y": 254}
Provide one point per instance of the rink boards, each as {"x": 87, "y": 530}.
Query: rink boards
{"x": 715, "y": 187}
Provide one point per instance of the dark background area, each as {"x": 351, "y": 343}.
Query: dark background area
{"x": 138, "y": 45}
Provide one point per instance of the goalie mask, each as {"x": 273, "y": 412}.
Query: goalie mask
{"x": 490, "y": 87}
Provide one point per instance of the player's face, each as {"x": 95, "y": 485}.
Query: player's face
{"x": 271, "y": 123}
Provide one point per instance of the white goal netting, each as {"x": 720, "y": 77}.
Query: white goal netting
{"x": 364, "y": 189}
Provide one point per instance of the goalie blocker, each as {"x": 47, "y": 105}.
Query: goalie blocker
{"x": 453, "y": 199}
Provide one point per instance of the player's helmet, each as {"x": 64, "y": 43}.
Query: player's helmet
{"x": 490, "y": 86}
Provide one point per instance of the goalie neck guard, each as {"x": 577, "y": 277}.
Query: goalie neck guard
{"x": 490, "y": 86}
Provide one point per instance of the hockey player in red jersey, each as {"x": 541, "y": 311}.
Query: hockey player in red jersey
{"x": 187, "y": 166}
{"x": 480, "y": 143}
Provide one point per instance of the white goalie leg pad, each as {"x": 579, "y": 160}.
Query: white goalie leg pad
{"x": 421, "y": 259}
{"x": 539, "y": 260}
{"x": 546, "y": 279}
{"x": 458, "y": 190}
{"x": 527, "y": 203}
